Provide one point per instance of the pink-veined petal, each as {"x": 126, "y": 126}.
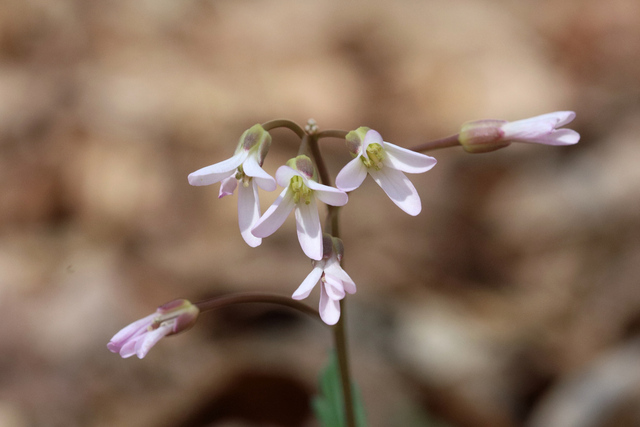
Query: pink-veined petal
{"x": 284, "y": 175}
{"x": 308, "y": 228}
{"x": 329, "y": 309}
{"x": 217, "y": 172}
{"x": 263, "y": 179}
{"x": 334, "y": 269}
{"x": 275, "y": 216}
{"x": 352, "y": 175}
{"x": 406, "y": 160}
{"x": 399, "y": 189}
{"x": 150, "y": 339}
{"x": 248, "y": 212}
{"x": 308, "y": 283}
{"x": 333, "y": 286}
{"x": 228, "y": 186}
{"x": 329, "y": 195}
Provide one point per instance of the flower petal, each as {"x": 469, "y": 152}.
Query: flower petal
{"x": 557, "y": 137}
{"x": 217, "y": 172}
{"x": 334, "y": 269}
{"x": 308, "y": 283}
{"x": 308, "y": 228}
{"x": 248, "y": 212}
{"x": 406, "y": 160}
{"x": 151, "y": 338}
{"x": 275, "y": 216}
{"x": 352, "y": 175}
{"x": 130, "y": 331}
{"x": 329, "y": 195}
{"x": 252, "y": 168}
{"x": 399, "y": 189}
{"x": 329, "y": 309}
{"x": 228, "y": 186}
{"x": 334, "y": 287}
{"x": 372, "y": 137}
{"x": 284, "y": 175}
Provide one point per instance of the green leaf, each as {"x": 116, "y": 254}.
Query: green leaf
{"x": 329, "y": 405}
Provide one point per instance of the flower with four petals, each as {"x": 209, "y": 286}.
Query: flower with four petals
{"x": 334, "y": 281}
{"x": 245, "y": 168}
{"x": 299, "y": 177}
{"x": 386, "y": 163}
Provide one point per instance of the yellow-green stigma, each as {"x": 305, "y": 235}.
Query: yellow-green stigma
{"x": 375, "y": 154}
{"x": 244, "y": 179}
{"x": 300, "y": 191}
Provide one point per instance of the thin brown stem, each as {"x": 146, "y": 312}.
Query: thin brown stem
{"x": 332, "y": 133}
{"x": 255, "y": 297}
{"x": 449, "y": 141}
{"x": 284, "y": 123}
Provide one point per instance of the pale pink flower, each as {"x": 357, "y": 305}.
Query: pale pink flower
{"x": 334, "y": 281}
{"x": 245, "y": 167}
{"x": 138, "y": 337}
{"x": 299, "y": 178}
{"x": 481, "y": 136}
{"x": 386, "y": 163}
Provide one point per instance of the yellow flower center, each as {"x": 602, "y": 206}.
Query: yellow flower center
{"x": 375, "y": 154}
{"x": 244, "y": 179}
{"x": 300, "y": 191}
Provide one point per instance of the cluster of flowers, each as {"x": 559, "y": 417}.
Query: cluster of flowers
{"x": 385, "y": 162}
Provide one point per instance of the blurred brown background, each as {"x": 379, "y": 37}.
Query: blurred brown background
{"x": 512, "y": 300}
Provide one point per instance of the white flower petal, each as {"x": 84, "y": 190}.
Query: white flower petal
{"x": 333, "y": 286}
{"x": 399, "y": 189}
{"x": 284, "y": 175}
{"x": 308, "y": 283}
{"x": 334, "y": 269}
{"x": 329, "y": 309}
{"x": 248, "y": 212}
{"x": 329, "y": 195}
{"x": 217, "y": 172}
{"x": 228, "y": 186}
{"x": 308, "y": 228}
{"x": 558, "y": 137}
{"x": 406, "y": 160}
{"x": 252, "y": 168}
{"x": 275, "y": 216}
{"x": 372, "y": 137}
{"x": 352, "y": 175}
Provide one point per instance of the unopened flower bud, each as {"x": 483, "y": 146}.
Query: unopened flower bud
{"x": 169, "y": 319}
{"x": 482, "y": 136}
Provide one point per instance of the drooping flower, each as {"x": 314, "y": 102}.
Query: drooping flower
{"x": 245, "y": 167}
{"x": 300, "y": 179}
{"x": 138, "y": 337}
{"x": 482, "y": 136}
{"x": 334, "y": 281}
{"x": 386, "y": 163}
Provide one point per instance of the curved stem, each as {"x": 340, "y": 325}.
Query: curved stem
{"x": 255, "y": 297}
{"x": 449, "y": 141}
{"x": 284, "y": 123}
{"x": 332, "y": 133}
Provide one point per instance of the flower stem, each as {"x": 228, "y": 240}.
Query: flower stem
{"x": 449, "y": 141}
{"x": 284, "y": 123}
{"x": 339, "y": 333}
{"x": 255, "y": 297}
{"x": 332, "y": 133}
